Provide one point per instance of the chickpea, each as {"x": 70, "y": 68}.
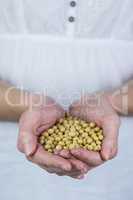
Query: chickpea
{"x": 84, "y": 125}
{"x": 71, "y": 146}
{"x": 70, "y": 133}
{"x": 89, "y": 147}
{"x": 80, "y": 141}
{"x": 96, "y": 129}
{"x": 61, "y": 120}
{"x": 98, "y": 142}
{"x": 45, "y": 134}
{"x": 47, "y": 146}
{"x": 87, "y": 129}
{"x": 100, "y": 137}
{"x": 50, "y": 150}
{"x": 93, "y": 144}
{"x": 98, "y": 147}
{"x": 50, "y": 131}
{"x": 62, "y": 129}
{"x": 89, "y": 140}
{"x": 92, "y": 124}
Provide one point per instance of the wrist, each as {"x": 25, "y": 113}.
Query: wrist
{"x": 118, "y": 103}
{"x": 31, "y": 100}
{"x": 27, "y": 101}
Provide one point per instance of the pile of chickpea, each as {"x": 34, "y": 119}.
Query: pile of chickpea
{"x": 70, "y": 133}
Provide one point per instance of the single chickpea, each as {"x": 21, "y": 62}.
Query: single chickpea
{"x": 98, "y": 147}
{"x": 45, "y": 134}
{"x": 57, "y": 139}
{"x": 84, "y": 141}
{"x": 95, "y": 138}
{"x": 96, "y": 129}
{"x": 98, "y": 142}
{"x": 89, "y": 140}
{"x": 49, "y": 142}
{"x": 81, "y": 131}
{"x": 84, "y": 125}
{"x": 61, "y": 143}
{"x": 50, "y": 150}
{"x": 65, "y": 147}
{"x": 90, "y": 147}
{"x": 71, "y": 146}
{"x": 72, "y": 133}
{"x": 87, "y": 129}
{"x": 84, "y": 135}
{"x": 100, "y": 137}
{"x": 47, "y": 146}
{"x": 50, "y": 131}
{"x": 62, "y": 129}
{"x": 58, "y": 147}
{"x": 92, "y": 124}
{"x": 61, "y": 120}
{"x": 93, "y": 144}
{"x": 90, "y": 133}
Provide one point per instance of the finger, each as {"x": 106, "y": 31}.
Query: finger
{"x": 54, "y": 112}
{"x": 49, "y": 160}
{"x": 79, "y": 165}
{"x": 53, "y": 170}
{"x": 76, "y": 164}
{"x": 64, "y": 153}
{"x": 81, "y": 176}
{"x": 76, "y": 175}
{"x": 91, "y": 158}
{"x": 110, "y": 143}
{"x": 27, "y": 142}
{"x": 45, "y": 127}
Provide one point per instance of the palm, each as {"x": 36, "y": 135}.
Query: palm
{"x": 104, "y": 115}
{"x": 32, "y": 124}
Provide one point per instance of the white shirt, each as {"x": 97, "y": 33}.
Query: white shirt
{"x": 41, "y": 49}
{"x": 93, "y": 18}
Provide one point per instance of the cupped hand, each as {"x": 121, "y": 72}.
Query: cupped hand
{"x": 98, "y": 108}
{"x": 32, "y": 123}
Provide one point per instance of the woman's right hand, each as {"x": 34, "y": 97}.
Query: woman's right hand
{"x": 32, "y": 123}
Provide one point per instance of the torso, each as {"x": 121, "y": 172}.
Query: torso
{"x": 65, "y": 58}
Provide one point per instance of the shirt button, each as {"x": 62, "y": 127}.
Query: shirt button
{"x": 71, "y": 19}
{"x": 73, "y": 3}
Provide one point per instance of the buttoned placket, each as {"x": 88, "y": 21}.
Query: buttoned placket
{"x": 71, "y": 17}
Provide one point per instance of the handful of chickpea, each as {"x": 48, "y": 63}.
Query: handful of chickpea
{"x": 70, "y": 133}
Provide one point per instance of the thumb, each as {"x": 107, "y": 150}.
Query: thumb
{"x": 110, "y": 143}
{"x": 27, "y": 142}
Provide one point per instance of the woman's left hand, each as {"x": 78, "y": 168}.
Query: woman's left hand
{"x": 98, "y": 108}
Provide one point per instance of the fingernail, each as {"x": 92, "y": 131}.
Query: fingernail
{"x": 67, "y": 167}
{"x": 75, "y": 151}
{"x": 81, "y": 176}
{"x": 84, "y": 170}
{"x": 107, "y": 155}
{"x": 28, "y": 150}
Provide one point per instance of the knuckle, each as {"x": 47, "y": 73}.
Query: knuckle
{"x": 114, "y": 153}
{"x": 19, "y": 147}
{"x": 60, "y": 174}
{"x": 29, "y": 158}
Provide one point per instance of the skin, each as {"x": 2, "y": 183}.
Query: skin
{"x": 107, "y": 118}
{"x": 31, "y": 124}
{"x": 35, "y": 116}
{"x": 103, "y": 110}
